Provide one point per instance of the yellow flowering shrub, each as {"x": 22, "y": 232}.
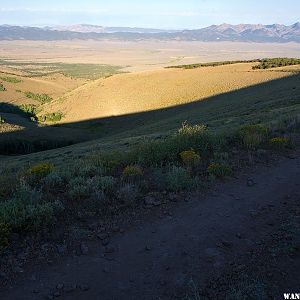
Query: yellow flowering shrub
{"x": 41, "y": 169}
{"x": 132, "y": 172}
{"x": 218, "y": 170}
{"x": 190, "y": 158}
{"x": 279, "y": 143}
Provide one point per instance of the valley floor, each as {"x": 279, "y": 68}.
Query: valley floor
{"x": 238, "y": 241}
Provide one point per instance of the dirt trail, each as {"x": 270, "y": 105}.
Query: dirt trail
{"x": 156, "y": 260}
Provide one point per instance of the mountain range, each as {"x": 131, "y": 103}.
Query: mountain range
{"x": 223, "y": 32}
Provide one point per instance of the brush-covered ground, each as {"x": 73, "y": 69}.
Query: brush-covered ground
{"x": 53, "y": 201}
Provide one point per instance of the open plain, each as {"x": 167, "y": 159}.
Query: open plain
{"x": 142, "y": 55}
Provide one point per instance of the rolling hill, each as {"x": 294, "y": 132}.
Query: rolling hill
{"x": 139, "y": 92}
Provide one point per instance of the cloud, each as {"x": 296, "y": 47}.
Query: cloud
{"x": 101, "y": 11}
{"x": 53, "y": 10}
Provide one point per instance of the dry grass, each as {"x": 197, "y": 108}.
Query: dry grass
{"x": 53, "y": 85}
{"x": 144, "y": 91}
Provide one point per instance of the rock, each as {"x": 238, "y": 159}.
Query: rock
{"x": 102, "y": 236}
{"x": 226, "y": 244}
{"x": 60, "y": 286}
{"x": 162, "y": 282}
{"x": 212, "y": 252}
{"x": 116, "y": 228}
{"x": 84, "y": 249}
{"x": 109, "y": 250}
{"x": 33, "y": 277}
{"x": 57, "y": 294}
{"x": 150, "y": 201}
{"x": 93, "y": 226}
{"x": 262, "y": 153}
{"x": 250, "y": 182}
{"x": 70, "y": 288}
{"x": 84, "y": 287}
{"x": 238, "y": 235}
{"x": 105, "y": 242}
{"x": 18, "y": 269}
{"x": 292, "y": 156}
{"x": 157, "y": 203}
{"x": 148, "y": 248}
{"x": 14, "y": 237}
{"x": 174, "y": 198}
{"x": 184, "y": 253}
{"x": 61, "y": 249}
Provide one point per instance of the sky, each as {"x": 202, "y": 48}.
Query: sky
{"x": 170, "y": 14}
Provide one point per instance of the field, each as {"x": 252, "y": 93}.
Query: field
{"x": 142, "y": 55}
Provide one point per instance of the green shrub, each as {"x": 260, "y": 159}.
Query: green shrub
{"x": 10, "y": 79}
{"x": 8, "y": 182}
{"x": 85, "y": 170}
{"x": 178, "y": 179}
{"x": 78, "y": 188}
{"x": 51, "y": 117}
{"x": 52, "y": 182}
{"x": 5, "y": 232}
{"x": 253, "y": 136}
{"x": 26, "y": 211}
{"x": 2, "y": 88}
{"x": 109, "y": 162}
{"x": 30, "y": 110}
{"x": 103, "y": 183}
{"x": 43, "y": 98}
{"x": 268, "y": 63}
{"x": 212, "y": 64}
{"x": 219, "y": 170}
{"x": 196, "y": 137}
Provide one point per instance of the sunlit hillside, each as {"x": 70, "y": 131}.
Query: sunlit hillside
{"x": 138, "y": 92}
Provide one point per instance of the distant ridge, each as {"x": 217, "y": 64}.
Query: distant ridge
{"x": 224, "y": 32}
{"x": 87, "y": 28}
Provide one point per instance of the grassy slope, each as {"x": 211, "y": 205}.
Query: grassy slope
{"x": 132, "y": 93}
